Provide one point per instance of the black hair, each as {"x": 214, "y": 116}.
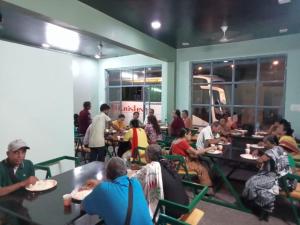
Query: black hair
{"x": 177, "y": 112}
{"x": 104, "y": 107}
{"x": 287, "y": 127}
{"x": 136, "y": 113}
{"x": 186, "y": 112}
{"x": 86, "y": 105}
{"x": 121, "y": 116}
{"x": 183, "y": 132}
{"x": 215, "y": 124}
{"x": 152, "y": 120}
{"x": 272, "y": 139}
{"x": 135, "y": 123}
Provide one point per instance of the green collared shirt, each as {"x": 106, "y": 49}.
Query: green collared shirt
{"x": 7, "y": 175}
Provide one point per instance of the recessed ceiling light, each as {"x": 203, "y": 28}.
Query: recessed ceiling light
{"x": 275, "y": 62}
{"x": 225, "y": 61}
{"x": 185, "y": 44}
{"x": 45, "y": 45}
{"x": 283, "y": 1}
{"x": 155, "y": 24}
{"x": 149, "y": 68}
{"x": 283, "y": 30}
{"x": 97, "y": 56}
{"x": 232, "y": 66}
{"x": 200, "y": 68}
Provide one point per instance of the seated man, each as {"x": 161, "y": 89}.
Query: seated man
{"x": 209, "y": 135}
{"x": 109, "y": 199}
{"x": 119, "y": 124}
{"x": 15, "y": 171}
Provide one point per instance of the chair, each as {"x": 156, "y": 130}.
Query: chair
{"x": 46, "y": 164}
{"x": 192, "y": 215}
{"x": 294, "y": 195}
{"x": 140, "y": 153}
{"x": 181, "y": 166}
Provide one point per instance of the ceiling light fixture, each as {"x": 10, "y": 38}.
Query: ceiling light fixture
{"x": 283, "y": 1}
{"x": 200, "y": 68}
{"x": 225, "y": 61}
{"x": 45, "y": 45}
{"x": 155, "y": 25}
{"x": 185, "y": 44}
{"x": 275, "y": 62}
{"x": 232, "y": 66}
{"x": 283, "y": 30}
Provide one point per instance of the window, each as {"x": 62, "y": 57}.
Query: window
{"x": 134, "y": 89}
{"x": 252, "y": 88}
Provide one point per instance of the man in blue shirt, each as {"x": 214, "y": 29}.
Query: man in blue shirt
{"x": 109, "y": 199}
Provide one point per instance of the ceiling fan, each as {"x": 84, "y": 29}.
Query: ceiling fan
{"x": 99, "y": 53}
{"x": 224, "y": 38}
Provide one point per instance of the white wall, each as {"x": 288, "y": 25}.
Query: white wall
{"x": 85, "y": 80}
{"x": 36, "y": 95}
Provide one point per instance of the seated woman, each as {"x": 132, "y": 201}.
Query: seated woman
{"x": 160, "y": 181}
{"x": 261, "y": 189}
{"x": 119, "y": 124}
{"x": 153, "y": 130}
{"x": 286, "y": 140}
{"x": 176, "y": 125}
{"x": 137, "y": 138}
{"x": 181, "y": 146}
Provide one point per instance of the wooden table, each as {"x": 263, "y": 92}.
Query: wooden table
{"x": 46, "y": 207}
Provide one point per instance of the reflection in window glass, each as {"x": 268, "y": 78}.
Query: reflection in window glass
{"x": 201, "y": 72}
{"x": 155, "y": 94}
{"x": 246, "y": 117}
{"x": 221, "y": 94}
{"x": 132, "y": 93}
{"x": 223, "y": 70}
{"x": 201, "y": 113}
{"x": 270, "y": 94}
{"x": 246, "y": 70}
{"x": 126, "y": 76}
{"x": 153, "y": 75}
{"x": 220, "y": 111}
{"x": 115, "y": 109}
{"x": 272, "y": 68}
{"x": 201, "y": 94}
{"x": 138, "y": 76}
{"x": 113, "y": 77}
{"x": 114, "y": 94}
{"x": 244, "y": 94}
{"x": 266, "y": 117}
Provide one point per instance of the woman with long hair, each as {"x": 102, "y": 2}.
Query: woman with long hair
{"x": 286, "y": 140}
{"x": 177, "y": 124}
{"x": 153, "y": 130}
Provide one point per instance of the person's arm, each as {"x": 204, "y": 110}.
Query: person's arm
{"x": 91, "y": 204}
{"x": 128, "y": 135}
{"x": 114, "y": 126}
{"x": 90, "y": 184}
{"x": 11, "y": 188}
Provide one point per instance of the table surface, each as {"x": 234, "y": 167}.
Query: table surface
{"x": 46, "y": 207}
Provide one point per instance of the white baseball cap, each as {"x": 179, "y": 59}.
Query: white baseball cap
{"x": 16, "y": 145}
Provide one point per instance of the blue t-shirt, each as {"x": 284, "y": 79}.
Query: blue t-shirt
{"x": 109, "y": 200}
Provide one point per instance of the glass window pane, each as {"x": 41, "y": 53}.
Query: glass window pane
{"x": 132, "y": 93}
{"x": 115, "y": 109}
{"x": 114, "y": 94}
{"x": 155, "y": 94}
{"x": 126, "y": 76}
{"x": 246, "y": 117}
{"x": 201, "y": 72}
{"x": 223, "y": 71}
{"x": 139, "y": 76}
{"x": 270, "y": 94}
{"x": 201, "y": 94}
{"x": 244, "y": 94}
{"x": 266, "y": 117}
{"x": 153, "y": 75}
{"x": 272, "y": 68}
{"x": 113, "y": 77}
{"x": 246, "y": 70}
{"x": 200, "y": 114}
{"x": 218, "y": 112}
{"x": 221, "y": 94}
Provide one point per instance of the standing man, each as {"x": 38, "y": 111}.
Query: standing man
{"x": 150, "y": 113}
{"x": 15, "y": 171}
{"x": 136, "y": 116}
{"x": 84, "y": 119}
{"x": 96, "y": 136}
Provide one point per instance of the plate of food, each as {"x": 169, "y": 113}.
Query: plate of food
{"x": 215, "y": 152}
{"x": 257, "y": 136}
{"x": 257, "y": 146}
{"x": 79, "y": 195}
{"x": 248, "y": 156}
{"x": 242, "y": 131}
{"x": 236, "y": 134}
{"x": 42, "y": 185}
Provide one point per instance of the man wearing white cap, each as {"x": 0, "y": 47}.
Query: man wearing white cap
{"x": 15, "y": 171}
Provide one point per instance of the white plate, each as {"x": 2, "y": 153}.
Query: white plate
{"x": 257, "y": 146}
{"x": 227, "y": 143}
{"x": 242, "y": 131}
{"x": 236, "y": 134}
{"x": 80, "y": 195}
{"x": 42, "y": 185}
{"x": 257, "y": 136}
{"x": 214, "y": 152}
{"x": 248, "y": 156}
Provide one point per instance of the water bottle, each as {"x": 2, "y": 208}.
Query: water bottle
{"x": 256, "y": 127}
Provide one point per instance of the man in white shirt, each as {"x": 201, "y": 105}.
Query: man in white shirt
{"x": 96, "y": 134}
{"x": 209, "y": 135}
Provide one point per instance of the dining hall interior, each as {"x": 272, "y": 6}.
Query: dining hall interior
{"x": 150, "y": 112}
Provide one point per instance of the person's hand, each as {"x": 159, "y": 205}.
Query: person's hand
{"x": 30, "y": 180}
{"x": 90, "y": 184}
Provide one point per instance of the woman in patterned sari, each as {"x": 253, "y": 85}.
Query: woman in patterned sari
{"x": 261, "y": 189}
{"x": 286, "y": 140}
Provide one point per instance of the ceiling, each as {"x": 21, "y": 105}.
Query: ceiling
{"x": 21, "y": 26}
{"x": 197, "y": 22}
